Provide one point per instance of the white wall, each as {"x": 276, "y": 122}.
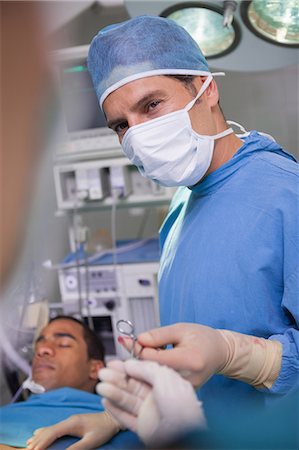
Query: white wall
{"x": 265, "y": 101}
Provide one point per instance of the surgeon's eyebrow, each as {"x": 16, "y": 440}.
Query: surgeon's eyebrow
{"x": 56, "y": 335}
{"x": 141, "y": 102}
{"x": 147, "y": 98}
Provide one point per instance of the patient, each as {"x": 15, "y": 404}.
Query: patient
{"x": 67, "y": 358}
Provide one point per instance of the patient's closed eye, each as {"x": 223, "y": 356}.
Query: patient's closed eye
{"x": 64, "y": 342}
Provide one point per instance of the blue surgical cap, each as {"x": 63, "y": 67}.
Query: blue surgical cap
{"x": 141, "y": 47}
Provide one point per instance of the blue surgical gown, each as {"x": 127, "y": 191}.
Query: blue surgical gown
{"x": 19, "y": 420}
{"x": 230, "y": 258}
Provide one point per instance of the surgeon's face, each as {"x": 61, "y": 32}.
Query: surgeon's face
{"x": 145, "y": 99}
{"x": 61, "y": 358}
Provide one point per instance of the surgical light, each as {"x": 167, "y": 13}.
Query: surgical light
{"x": 274, "y": 20}
{"x": 205, "y": 23}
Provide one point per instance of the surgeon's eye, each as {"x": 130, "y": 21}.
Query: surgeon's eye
{"x": 152, "y": 105}
{"x": 121, "y": 128}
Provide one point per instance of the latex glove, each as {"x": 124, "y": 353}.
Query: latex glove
{"x": 152, "y": 400}
{"x": 199, "y": 352}
{"x": 256, "y": 361}
{"x": 94, "y": 429}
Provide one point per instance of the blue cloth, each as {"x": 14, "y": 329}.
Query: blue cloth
{"x": 19, "y": 420}
{"x": 230, "y": 260}
{"x": 149, "y": 251}
{"x": 138, "y": 46}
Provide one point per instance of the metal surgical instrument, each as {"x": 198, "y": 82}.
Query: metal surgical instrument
{"x": 126, "y": 327}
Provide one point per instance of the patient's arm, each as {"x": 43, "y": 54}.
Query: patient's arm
{"x": 93, "y": 429}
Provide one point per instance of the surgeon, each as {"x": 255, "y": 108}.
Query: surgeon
{"x": 229, "y": 272}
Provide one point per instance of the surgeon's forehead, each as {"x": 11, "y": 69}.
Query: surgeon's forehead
{"x": 134, "y": 95}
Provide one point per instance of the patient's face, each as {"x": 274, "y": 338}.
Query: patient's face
{"x": 61, "y": 358}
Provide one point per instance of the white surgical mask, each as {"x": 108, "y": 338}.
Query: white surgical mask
{"x": 167, "y": 149}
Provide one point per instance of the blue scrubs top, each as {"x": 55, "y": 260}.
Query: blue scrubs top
{"x": 230, "y": 260}
{"x": 19, "y": 420}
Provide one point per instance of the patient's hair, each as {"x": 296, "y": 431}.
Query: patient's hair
{"x": 95, "y": 347}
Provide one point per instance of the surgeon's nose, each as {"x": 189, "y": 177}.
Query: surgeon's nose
{"x": 136, "y": 119}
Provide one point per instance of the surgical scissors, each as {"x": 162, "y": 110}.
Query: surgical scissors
{"x": 127, "y": 328}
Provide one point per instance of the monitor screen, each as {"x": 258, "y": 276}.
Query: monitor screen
{"x": 81, "y": 107}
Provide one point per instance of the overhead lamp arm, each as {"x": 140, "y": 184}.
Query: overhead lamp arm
{"x": 229, "y": 7}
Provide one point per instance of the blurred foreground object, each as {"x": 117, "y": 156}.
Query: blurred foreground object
{"x": 24, "y": 76}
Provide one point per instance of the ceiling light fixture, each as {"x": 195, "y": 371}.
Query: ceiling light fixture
{"x": 213, "y": 28}
{"x": 276, "y": 21}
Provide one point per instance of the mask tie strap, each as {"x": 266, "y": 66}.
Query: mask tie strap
{"x": 221, "y": 134}
{"x": 202, "y": 89}
{"x": 244, "y": 131}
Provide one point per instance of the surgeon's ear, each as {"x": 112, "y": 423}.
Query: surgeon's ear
{"x": 95, "y": 366}
{"x": 211, "y": 93}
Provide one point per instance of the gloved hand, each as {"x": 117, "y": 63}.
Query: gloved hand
{"x": 199, "y": 352}
{"x": 94, "y": 429}
{"x": 152, "y": 400}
